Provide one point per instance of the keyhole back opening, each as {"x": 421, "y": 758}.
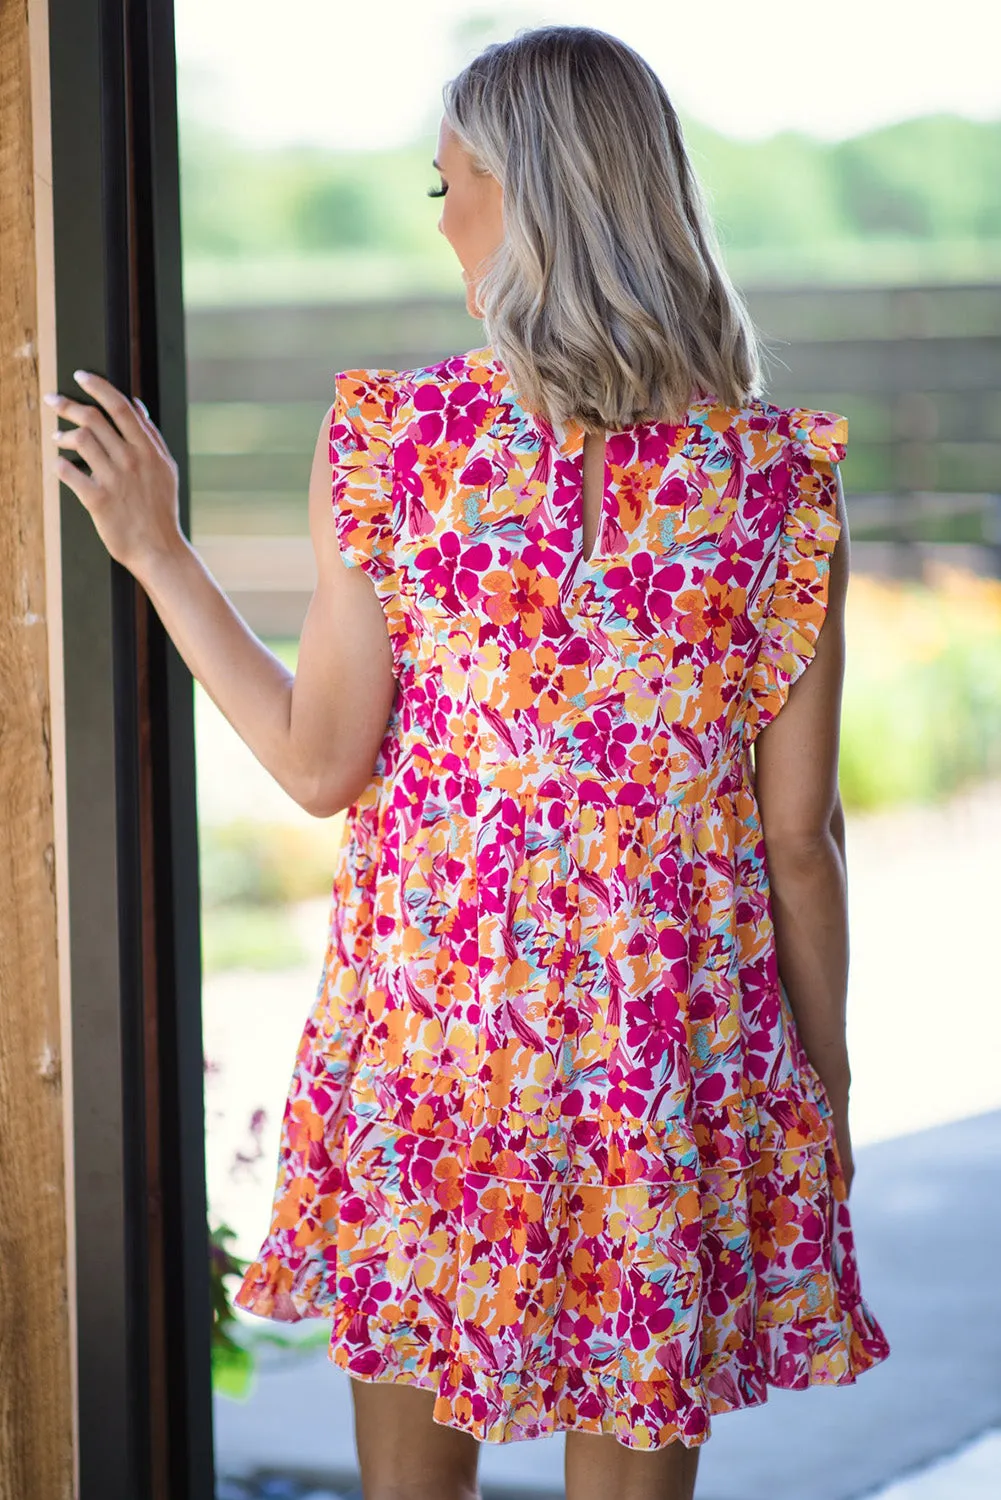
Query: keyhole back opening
{"x": 594, "y": 483}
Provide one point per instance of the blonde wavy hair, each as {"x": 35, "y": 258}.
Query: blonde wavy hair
{"x": 606, "y": 302}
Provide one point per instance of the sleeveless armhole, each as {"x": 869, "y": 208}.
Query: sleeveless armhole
{"x": 810, "y": 528}
{"x": 361, "y": 458}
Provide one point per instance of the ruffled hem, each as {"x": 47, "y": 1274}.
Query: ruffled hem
{"x": 268, "y": 1291}
{"x": 660, "y": 1376}
{"x": 646, "y": 1414}
{"x": 499, "y": 1408}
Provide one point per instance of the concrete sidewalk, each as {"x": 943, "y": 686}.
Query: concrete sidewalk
{"x": 927, "y": 1214}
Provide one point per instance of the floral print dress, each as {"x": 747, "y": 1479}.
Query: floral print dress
{"x": 553, "y": 1149}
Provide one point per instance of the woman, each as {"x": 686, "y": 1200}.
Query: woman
{"x": 561, "y": 1150}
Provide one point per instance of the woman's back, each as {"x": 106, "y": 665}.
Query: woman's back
{"x": 709, "y": 544}
{"x": 561, "y": 1048}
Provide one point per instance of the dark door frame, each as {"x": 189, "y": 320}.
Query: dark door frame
{"x": 143, "y": 1301}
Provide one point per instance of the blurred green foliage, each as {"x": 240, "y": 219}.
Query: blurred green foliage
{"x": 232, "y": 1362}
{"x": 932, "y": 180}
{"x": 909, "y": 201}
{"x": 252, "y": 874}
{"x": 922, "y": 700}
{"x": 253, "y": 936}
{"x": 247, "y": 863}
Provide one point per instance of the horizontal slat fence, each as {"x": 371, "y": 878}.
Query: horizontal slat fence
{"x": 916, "y": 370}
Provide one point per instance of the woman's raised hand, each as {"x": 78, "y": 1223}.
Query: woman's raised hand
{"x": 131, "y": 489}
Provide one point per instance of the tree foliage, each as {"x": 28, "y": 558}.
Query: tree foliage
{"x": 917, "y": 198}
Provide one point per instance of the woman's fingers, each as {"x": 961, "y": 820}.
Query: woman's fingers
{"x": 119, "y": 408}
{"x": 131, "y": 489}
{"x": 88, "y": 443}
{"x": 132, "y": 425}
{"x": 90, "y": 419}
{"x": 150, "y": 428}
{"x": 84, "y": 488}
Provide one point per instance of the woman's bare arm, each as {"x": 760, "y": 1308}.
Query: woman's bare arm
{"x": 796, "y": 781}
{"x": 318, "y": 732}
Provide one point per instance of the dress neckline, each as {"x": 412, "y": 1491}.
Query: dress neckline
{"x": 568, "y": 437}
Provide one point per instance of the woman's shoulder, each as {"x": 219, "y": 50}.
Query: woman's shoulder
{"x": 765, "y": 430}
{"x": 471, "y": 383}
{"x": 390, "y": 391}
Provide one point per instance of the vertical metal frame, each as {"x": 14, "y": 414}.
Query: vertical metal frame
{"x": 141, "y": 1224}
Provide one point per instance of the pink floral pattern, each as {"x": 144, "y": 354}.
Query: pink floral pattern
{"x": 553, "y": 1149}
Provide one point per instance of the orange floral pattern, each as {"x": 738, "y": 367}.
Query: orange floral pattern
{"x": 553, "y": 1149}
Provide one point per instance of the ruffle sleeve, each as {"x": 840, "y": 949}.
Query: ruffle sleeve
{"x": 797, "y": 602}
{"x": 361, "y": 457}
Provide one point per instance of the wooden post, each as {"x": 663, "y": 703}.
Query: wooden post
{"x": 37, "y": 1314}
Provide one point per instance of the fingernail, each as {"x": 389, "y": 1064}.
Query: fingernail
{"x": 52, "y": 398}
{"x": 81, "y": 376}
